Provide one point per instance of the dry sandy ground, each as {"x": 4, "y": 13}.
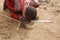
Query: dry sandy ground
{"x": 40, "y": 31}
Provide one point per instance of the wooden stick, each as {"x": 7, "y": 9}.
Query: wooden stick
{"x": 18, "y": 26}
{"x": 9, "y": 17}
{"x": 41, "y": 21}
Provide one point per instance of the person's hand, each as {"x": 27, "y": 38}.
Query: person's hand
{"x": 34, "y": 3}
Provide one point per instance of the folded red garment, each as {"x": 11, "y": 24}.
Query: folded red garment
{"x": 10, "y": 5}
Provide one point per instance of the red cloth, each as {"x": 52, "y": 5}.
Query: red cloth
{"x": 10, "y": 5}
{"x": 15, "y": 16}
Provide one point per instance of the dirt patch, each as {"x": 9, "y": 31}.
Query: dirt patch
{"x": 41, "y": 31}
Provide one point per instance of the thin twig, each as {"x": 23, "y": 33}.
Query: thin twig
{"x": 9, "y": 17}
{"x": 18, "y": 26}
